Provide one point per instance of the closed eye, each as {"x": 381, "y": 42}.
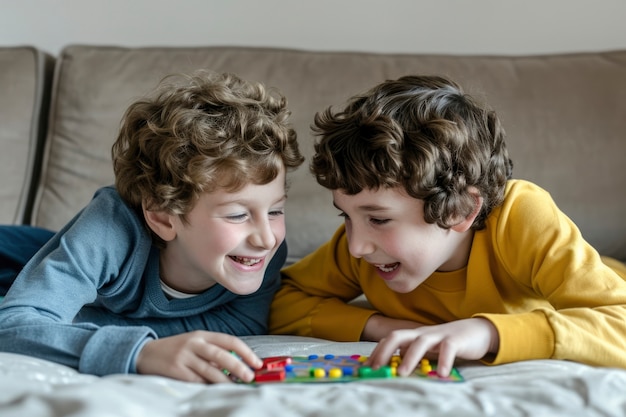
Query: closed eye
{"x": 237, "y": 218}
{"x": 277, "y": 213}
{"x": 373, "y": 220}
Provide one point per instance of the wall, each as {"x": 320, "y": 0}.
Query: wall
{"x": 428, "y": 26}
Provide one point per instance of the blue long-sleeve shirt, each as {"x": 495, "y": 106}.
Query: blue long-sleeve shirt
{"x": 91, "y": 296}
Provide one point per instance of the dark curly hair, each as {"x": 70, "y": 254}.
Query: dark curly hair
{"x": 199, "y": 132}
{"x": 422, "y": 133}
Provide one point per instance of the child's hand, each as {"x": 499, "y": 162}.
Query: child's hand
{"x": 468, "y": 339}
{"x": 199, "y": 356}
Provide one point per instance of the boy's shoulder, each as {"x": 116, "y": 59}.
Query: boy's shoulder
{"x": 108, "y": 196}
{"x": 524, "y": 201}
{"x": 518, "y": 188}
{"x": 108, "y": 191}
{"x": 108, "y": 207}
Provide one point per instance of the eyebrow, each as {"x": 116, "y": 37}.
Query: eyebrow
{"x": 367, "y": 207}
{"x": 245, "y": 201}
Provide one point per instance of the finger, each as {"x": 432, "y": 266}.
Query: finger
{"x": 207, "y": 372}
{"x": 445, "y": 361}
{"x": 237, "y": 346}
{"x": 380, "y": 355}
{"x": 246, "y": 354}
{"x": 238, "y": 370}
{"x": 229, "y": 364}
{"x": 200, "y": 371}
{"x": 414, "y": 353}
{"x": 386, "y": 348}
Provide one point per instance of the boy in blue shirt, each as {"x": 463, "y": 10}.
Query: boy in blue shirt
{"x": 157, "y": 274}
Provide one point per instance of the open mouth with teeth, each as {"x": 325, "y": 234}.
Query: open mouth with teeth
{"x": 387, "y": 267}
{"x": 245, "y": 261}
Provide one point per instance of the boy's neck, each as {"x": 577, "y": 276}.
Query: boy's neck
{"x": 461, "y": 252}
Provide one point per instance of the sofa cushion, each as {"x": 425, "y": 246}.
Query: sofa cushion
{"x": 25, "y": 82}
{"x": 563, "y": 115}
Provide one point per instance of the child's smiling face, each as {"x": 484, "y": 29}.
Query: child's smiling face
{"x": 386, "y": 228}
{"x": 229, "y": 238}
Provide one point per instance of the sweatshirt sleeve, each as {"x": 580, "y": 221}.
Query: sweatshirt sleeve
{"x": 36, "y": 316}
{"x": 314, "y": 296}
{"x": 545, "y": 253}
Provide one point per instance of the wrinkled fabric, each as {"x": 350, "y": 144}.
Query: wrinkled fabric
{"x": 32, "y": 387}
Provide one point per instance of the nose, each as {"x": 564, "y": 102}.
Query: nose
{"x": 263, "y": 236}
{"x": 359, "y": 244}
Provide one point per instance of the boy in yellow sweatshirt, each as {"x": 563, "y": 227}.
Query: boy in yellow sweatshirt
{"x": 456, "y": 258}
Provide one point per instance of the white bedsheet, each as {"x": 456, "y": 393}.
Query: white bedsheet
{"x": 35, "y": 388}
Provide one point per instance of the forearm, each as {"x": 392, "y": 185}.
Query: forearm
{"x": 86, "y": 347}
{"x": 295, "y": 312}
{"x": 588, "y": 335}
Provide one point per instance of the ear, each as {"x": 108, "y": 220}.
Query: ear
{"x": 160, "y": 223}
{"x": 465, "y": 224}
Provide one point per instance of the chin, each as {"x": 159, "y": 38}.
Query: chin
{"x": 245, "y": 288}
{"x": 401, "y": 287}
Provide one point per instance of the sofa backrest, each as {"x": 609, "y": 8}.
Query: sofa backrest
{"x": 564, "y": 116}
{"x": 25, "y": 82}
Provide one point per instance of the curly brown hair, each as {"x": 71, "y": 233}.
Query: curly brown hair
{"x": 198, "y": 132}
{"x": 422, "y": 133}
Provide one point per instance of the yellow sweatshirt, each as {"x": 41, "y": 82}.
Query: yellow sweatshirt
{"x": 530, "y": 272}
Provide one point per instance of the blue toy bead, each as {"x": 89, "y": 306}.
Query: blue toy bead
{"x": 348, "y": 370}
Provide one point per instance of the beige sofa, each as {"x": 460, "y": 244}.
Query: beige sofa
{"x": 564, "y": 115}
{"x": 25, "y": 86}
{"x": 566, "y": 125}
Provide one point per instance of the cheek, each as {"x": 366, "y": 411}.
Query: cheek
{"x": 396, "y": 244}
{"x": 402, "y": 252}
{"x": 409, "y": 244}
{"x": 280, "y": 230}
{"x": 221, "y": 238}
